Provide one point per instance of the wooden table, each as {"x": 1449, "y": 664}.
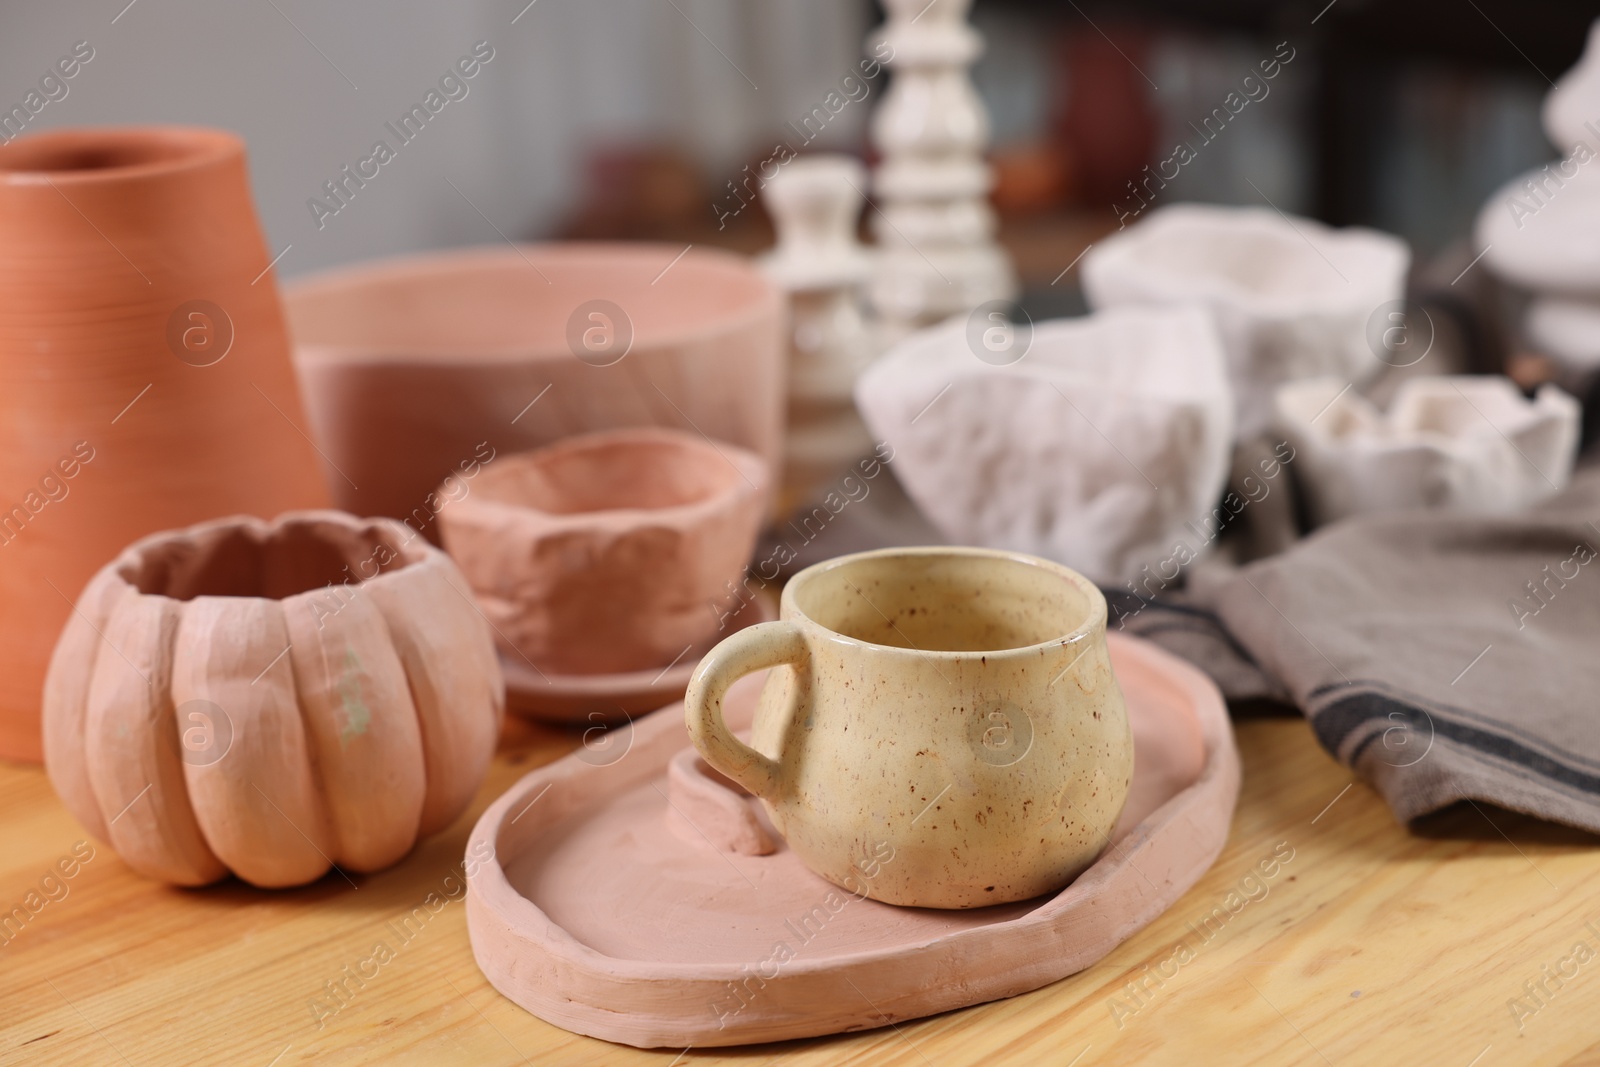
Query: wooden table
{"x": 1372, "y": 945}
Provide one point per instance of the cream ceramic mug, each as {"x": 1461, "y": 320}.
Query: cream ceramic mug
{"x": 948, "y": 732}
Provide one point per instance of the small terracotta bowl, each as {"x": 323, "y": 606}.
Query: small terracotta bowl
{"x": 611, "y": 551}
{"x": 272, "y": 699}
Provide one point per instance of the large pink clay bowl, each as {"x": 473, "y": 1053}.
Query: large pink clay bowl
{"x": 408, "y": 365}
{"x": 608, "y": 552}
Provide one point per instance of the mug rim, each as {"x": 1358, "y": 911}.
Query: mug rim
{"x": 1093, "y": 623}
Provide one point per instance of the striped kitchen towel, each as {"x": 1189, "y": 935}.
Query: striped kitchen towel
{"x": 1443, "y": 657}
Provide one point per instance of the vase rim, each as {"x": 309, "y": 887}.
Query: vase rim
{"x": 87, "y": 155}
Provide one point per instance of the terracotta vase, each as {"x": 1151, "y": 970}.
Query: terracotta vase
{"x": 272, "y": 699}
{"x": 411, "y": 366}
{"x": 608, "y": 552}
{"x": 144, "y": 373}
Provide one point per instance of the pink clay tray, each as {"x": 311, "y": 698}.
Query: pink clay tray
{"x": 576, "y": 698}
{"x": 644, "y": 902}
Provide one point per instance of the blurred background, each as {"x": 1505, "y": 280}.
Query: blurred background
{"x": 629, "y": 118}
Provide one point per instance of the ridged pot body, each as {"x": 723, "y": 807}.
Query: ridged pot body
{"x": 272, "y": 699}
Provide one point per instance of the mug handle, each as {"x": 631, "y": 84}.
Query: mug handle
{"x": 766, "y": 644}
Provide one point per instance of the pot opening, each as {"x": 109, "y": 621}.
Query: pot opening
{"x": 649, "y": 472}
{"x": 86, "y": 153}
{"x": 945, "y": 602}
{"x": 247, "y": 561}
{"x": 1264, "y": 263}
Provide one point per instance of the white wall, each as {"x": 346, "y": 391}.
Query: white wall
{"x": 567, "y": 74}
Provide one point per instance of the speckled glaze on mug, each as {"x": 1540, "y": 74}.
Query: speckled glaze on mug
{"x": 948, "y": 734}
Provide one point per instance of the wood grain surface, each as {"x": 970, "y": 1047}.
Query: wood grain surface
{"x": 1459, "y": 945}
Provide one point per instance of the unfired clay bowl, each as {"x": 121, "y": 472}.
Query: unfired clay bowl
{"x": 1100, "y": 448}
{"x": 952, "y": 710}
{"x": 271, "y": 699}
{"x": 611, "y": 551}
{"x": 407, "y": 365}
{"x": 1292, "y": 297}
{"x": 1464, "y": 442}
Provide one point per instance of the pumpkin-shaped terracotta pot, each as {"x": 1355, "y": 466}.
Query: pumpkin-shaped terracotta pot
{"x": 272, "y": 699}
{"x": 145, "y": 381}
